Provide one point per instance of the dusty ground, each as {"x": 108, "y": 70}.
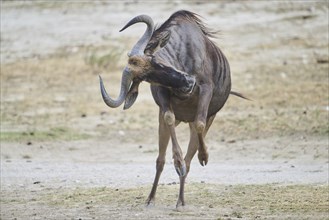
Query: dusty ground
{"x": 65, "y": 155}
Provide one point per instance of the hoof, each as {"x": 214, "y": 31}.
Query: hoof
{"x": 203, "y": 158}
{"x": 181, "y": 170}
{"x": 149, "y": 202}
{"x": 180, "y": 205}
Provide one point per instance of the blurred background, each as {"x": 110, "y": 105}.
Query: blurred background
{"x": 52, "y": 110}
{"x": 52, "y": 53}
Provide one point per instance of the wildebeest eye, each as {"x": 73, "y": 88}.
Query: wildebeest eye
{"x": 133, "y": 62}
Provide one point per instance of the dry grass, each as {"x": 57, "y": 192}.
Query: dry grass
{"x": 208, "y": 201}
{"x": 281, "y": 63}
{"x": 57, "y": 91}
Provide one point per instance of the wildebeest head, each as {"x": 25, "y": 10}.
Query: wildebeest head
{"x": 144, "y": 66}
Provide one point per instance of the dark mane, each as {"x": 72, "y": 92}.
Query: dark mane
{"x": 188, "y": 16}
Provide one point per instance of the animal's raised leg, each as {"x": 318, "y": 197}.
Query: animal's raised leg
{"x": 205, "y": 96}
{"x": 177, "y": 153}
{"x": 162, "y": 95}
{"x": 164, "y": 135}
{"x": 192, "y": 148}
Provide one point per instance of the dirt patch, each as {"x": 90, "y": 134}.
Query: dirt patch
{"x": 65, "y": 155}
{"x": 207, "y": 201}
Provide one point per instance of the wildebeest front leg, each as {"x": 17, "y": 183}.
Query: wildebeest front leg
{"x": 205, "y": 95}
{"x": 179, "y": 162}
{"x": 164, "y": 136}
{"x": 162, "y": 95}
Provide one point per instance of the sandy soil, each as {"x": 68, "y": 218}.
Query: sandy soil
{"x": 65, "y": 155}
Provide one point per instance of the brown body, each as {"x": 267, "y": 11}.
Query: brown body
{"x": 190, "y": 82}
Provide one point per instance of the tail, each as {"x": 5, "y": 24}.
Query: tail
{"x": 239, "y": 95}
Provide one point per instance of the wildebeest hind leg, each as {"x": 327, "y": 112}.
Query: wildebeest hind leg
{"x": 191, "y": 150}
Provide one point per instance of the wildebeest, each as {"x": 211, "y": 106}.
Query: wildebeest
{"x": 190, "y": 82}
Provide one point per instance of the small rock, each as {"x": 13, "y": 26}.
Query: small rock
{"x": 322, "y": 60}
{"x": 74, "y": 49}
{"x": 29, "y": 143}
{"x": 283, "y": 75}
{"x": 26, "y": 157}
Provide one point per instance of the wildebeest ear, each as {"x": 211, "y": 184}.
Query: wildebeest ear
{"x": 164, "y": 39}
{"x": 131, "y": 95}
{"x": 158, "y": 42}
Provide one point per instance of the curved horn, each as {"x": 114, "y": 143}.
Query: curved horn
{"x": 142, "y": 42}
{"x": 125, "y": 83}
